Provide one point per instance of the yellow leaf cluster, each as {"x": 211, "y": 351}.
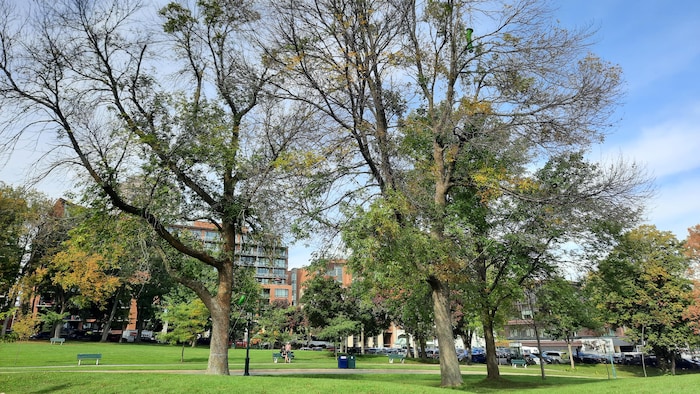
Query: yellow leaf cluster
{"x": 297, "y": 161}
{"x": 76, "y": 269}
{"x": 472, "y": 106}
{"x": 487, "y": 179}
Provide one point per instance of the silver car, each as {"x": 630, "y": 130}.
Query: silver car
{"x": 557, "y": 357}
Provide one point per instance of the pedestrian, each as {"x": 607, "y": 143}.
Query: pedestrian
{"x": 287, "y": 352}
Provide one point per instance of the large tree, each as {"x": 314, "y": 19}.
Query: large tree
{"x": 494, "y": 89}
{"x": 642, "y": 286}
{"x": 13, "y": 217}
{"x": 168, "y": 119}
{"x": 22, "y": 214}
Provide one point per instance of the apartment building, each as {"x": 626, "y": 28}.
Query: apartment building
{"x": 270, "y": 260}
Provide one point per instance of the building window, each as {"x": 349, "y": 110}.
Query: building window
{"x": 211, "y": 236}
{"x": 282, "y": 293}
{"x": 280, "y": 263}
{"x": 280, "y": 273}
{"x": 263, "y": 271}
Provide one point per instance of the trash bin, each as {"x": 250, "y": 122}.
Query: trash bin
{"x": 351, "y": 361}
{"x": 343, "y": 361}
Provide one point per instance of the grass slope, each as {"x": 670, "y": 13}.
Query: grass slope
{"x": 38, "y": 367}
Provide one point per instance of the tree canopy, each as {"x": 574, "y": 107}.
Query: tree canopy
{"x": 426, "y": 131}
{"x": 642, "y": 285}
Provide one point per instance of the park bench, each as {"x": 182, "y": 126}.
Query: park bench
{"x": 394, "y": 356}
{"x": 276, "y": 356}
{"x": 515, "y": 362}
{"x": 57, "y": 340}
{"x": 86, "y": 356}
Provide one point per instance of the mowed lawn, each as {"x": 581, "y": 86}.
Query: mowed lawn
{"x": 38, "y": 367}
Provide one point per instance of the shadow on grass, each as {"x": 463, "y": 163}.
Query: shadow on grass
{"x": 472, "y": 383}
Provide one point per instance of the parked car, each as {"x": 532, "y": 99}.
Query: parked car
{"x": 687, "y": 364}
{"x": 41, "y": 335}
{"x": 478, "y": 355}
{"x": 479, "y": 358}
{"x": 636, "y": 359}
{"x": 463, "y": 354}
{"x": 590, "y": 358}
{"x": 556, "y": 356}
{"x": 536, "y": 359}
{"x": 503, "y": 352}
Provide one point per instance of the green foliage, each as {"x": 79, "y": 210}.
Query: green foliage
{"x": 563, "y": 308}
{"x": 642, "y": 286}
{"x": 21, "y": 216}
{"x": 188, "y": 321}
{"x": 339, "y": 327}
{"x": 323, "y": 299}
{"x": 274, "y": 326}
{"x": 13, "y": 217}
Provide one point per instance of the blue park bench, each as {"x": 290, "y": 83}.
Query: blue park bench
{"x": 396, "y": 356}
{"x": 518, "y": 361}
{"x": 89, "y": 356}
{"x": 278, "y": 355}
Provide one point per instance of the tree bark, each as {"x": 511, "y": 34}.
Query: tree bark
{"x": 112, "y": 313}
{"x": 449, "y": 366}
{"x": 218, "y": 348}
{"x": 539, "y": 349}
{"x": 571, "y": 355}
{"x": 492, "y": 371}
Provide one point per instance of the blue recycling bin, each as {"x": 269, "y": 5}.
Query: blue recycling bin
{"x": 342, "y": 361}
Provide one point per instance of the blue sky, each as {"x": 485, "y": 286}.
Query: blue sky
{"x": 657, "y": 44}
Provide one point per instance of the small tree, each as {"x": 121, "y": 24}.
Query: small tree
{"x": 25, "y": 326}
{"x": 338, "y": 330}
{"x": 188, "y": 321}
{"x": 563, "y": 309}
{"x": 54, "y": 320}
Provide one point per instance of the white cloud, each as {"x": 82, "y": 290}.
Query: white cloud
{"x": 669, "y": 148}
{"x": 676, "y": 207}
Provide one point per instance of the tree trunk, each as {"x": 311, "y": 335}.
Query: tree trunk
{"x": 422, "y": 343}
{"x": 449, "y": 366}
{"x": 112, "y": 313}
{"x": 5, "y": 324}
{"x": 539, "y": 348}
{"x": 673, "y": 363}
{"x": 218, "y": 348}
{"x": 492, "y": 371}
{"x": 220, "y": 310}
{"x": 571, "y": 355}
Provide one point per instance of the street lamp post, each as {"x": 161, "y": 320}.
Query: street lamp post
{"x": 246, "y": 372}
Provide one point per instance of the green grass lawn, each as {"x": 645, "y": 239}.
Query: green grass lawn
{"x": 38, "y": 367}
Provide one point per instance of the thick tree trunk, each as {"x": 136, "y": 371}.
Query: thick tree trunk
{"x": 492, "y": 371}
{"x": 220, "y": 310}
{"x": 449, "y": 366}
{"x": 218, "y": 348}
